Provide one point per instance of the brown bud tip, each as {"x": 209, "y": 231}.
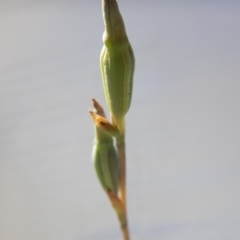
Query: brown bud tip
{"x": 98, "y": 107}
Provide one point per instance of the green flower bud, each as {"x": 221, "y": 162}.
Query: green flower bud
{"x": 105, "y": 161}
{"x": 117, "y": 64}
{"x": 104, "y": 155}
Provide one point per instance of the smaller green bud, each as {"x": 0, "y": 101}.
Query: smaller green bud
{"x": 105, "y": 161}
{"x": 104, "y": 154}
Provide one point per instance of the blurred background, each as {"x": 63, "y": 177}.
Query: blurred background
{"x": 183, "y": 134}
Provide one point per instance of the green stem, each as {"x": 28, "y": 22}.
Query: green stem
{"x": 122, "y": 167}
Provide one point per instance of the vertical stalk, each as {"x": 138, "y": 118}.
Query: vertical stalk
{"x": 125, "y": 233}
{"x": 123, "y": 199}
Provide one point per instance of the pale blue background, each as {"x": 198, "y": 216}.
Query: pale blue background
{"x": 183, "y": 134}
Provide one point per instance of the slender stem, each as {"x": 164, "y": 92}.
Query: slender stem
{"x": 125, "y": 233}
{"x": 122, "y": 166}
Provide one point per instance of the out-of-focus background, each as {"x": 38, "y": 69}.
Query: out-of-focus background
{"x": 183, "y": 134}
